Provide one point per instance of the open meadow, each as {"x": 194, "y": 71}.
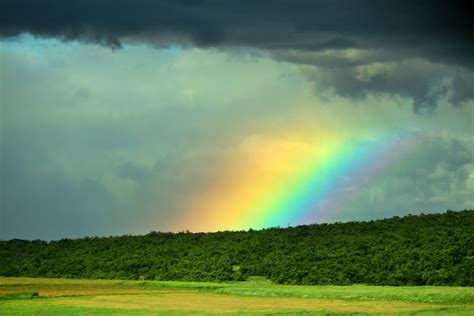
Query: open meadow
{"x": 42, "y": 296}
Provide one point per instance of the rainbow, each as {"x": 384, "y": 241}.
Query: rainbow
{"x": 286, "y": 181}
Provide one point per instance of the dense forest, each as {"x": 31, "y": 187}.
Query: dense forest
{"x": 434, "y": 249}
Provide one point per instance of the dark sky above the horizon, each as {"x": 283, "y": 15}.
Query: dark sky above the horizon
{"x": 122, "y": 117}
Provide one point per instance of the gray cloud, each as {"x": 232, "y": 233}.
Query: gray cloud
{"x": 321, "y": 33}
{"x": 437, "y": 175}
{"x": 132, "y": 171}
{"x": 335, "y": 35}
{"x": 435, "y": 29}
{"x": 94, "y": 142}
{"x": 104, "y": 142}
{"x": 425, "y": 83}
{"x": 37, "y": 194}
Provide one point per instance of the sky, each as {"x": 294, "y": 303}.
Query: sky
{"x": 125, "y": 117}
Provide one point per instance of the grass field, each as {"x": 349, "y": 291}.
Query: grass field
{"x": 31, "y": 296}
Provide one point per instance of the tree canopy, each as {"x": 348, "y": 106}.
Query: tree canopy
{"x": 433, "y": 249}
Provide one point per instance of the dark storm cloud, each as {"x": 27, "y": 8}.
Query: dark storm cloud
{"x": 337, "y": 35}
{"x": 441, "y": 30}
{"x": 425, "y": 83}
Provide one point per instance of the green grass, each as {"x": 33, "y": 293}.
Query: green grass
{"x": 29, "y": 296}
{"x": 423, "y": 294}
{"x": 18, "y": 296}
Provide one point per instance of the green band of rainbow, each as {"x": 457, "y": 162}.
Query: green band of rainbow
{"x": 321, "y": 181}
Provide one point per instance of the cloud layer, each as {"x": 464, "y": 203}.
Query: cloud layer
{"x": 99, "y": 142}
{"x": 419, "y": 49}
{"x": 117, "y": 113}
{"x": 430, "y": 28}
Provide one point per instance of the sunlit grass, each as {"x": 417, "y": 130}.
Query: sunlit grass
{"x": 254, "y": 297}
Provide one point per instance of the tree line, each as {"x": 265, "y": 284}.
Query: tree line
{"x": 432, "y": 249}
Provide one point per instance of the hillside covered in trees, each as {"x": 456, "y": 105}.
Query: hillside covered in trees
{"x": 435, "y": 249}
